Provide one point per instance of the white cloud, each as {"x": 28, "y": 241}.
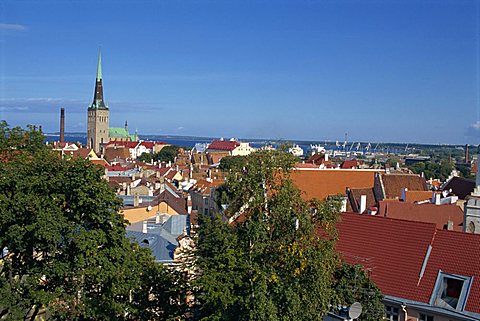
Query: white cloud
{"x": 13, "y": 27}
{"x": 473, "y": 130}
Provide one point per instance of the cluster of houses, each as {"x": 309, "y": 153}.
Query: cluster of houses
{"x": 418, "y": 240}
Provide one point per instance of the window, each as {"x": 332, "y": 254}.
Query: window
{"x": 451, "y": 291}
{"x": 391, "y": 312}
{"x": 425, "y": 317}
{"x": 471, "y": 227}
{"x": 206, "y": 201}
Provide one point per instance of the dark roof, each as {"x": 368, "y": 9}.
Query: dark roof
{"x": 354, "y": 195}
{"x": 393, "y": 184}
{"x": 460, "y": 186}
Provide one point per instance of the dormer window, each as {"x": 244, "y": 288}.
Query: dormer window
{"x": 451, "y": 291}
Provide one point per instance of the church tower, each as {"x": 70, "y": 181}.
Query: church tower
{"x": 471, "y": 208}
{"x": 97, "y": 125}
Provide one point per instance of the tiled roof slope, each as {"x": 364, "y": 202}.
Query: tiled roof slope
{"x": 354, "y": 195}
{"x": 455, "y": 253}
{"x": 392, "y": 251}
{"x": 417, "y": 196}
{"x": 223, "y": 145}
{"x": 393, "y": 183}
{"x": 427, "y": 213}
{"x": 320, "y": 183}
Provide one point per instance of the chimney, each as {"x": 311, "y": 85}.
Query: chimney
{"x": 325, "y": 157}
{"x": 363, "y": 203}
{"x": 189, "y": 204}
{"x": 437, "y": 199}
{"x": 144, "y": 227}
{"x": 450, "y": 225}
{"x": 466, "y": 153}
{"x": 62, "y": 125}
{"x": 136, "y": 200}
{"x": 403, "y": 193}
{"x": 343, "y": 207}
{"x": 157, "y": 218}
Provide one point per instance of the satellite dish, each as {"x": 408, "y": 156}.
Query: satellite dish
{"x": 149, "y": 208}
{"x": 355, "y": 310}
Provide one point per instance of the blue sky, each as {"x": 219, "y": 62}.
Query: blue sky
{"x": 399, "y": 71}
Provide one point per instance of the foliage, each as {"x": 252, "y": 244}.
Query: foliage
{"x": 232, "y": 163}
{"x": 273, "y": 263}
{"x": 68, "y": 255}
{"x": 352, "y": 284}
{"x": 433, "y": 170}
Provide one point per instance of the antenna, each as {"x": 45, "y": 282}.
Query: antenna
{"x": 355, "y": 310}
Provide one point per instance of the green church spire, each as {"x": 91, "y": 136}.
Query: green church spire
{"x": 98, "y": 102}
{"x": 99, "y": 66}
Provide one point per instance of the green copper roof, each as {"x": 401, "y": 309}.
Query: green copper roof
{"x": 99, "y": 66}
{"x": 120, "y": 132}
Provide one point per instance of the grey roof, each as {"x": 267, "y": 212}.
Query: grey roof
{"x": 160, "y": 238}
{"x": 176, "y": 224}
{"x": 162, "y": 249}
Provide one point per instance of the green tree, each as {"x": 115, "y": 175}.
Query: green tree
{"x": 271, "y": 263}
{"x": 167, "y": 154}
{"x": 67, "y": 254}
{"x": 352, "y": 284}
{"x": 145, "y": 157}
{"x": 232, "y": 163}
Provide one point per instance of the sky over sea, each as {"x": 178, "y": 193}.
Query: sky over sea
{"x": 379, "y": 70}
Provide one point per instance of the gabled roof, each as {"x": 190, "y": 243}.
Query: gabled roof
{"x": 223, "y": 145}
{"x": 428, "y": 213}
{"x": 354, "y": 195}
{"x": 393, "y": 252}
{"x": 393, "y": 184}
{"x": 349, "y": 163}
{"x": 100, "y": 162}
{"x": 320, "y": 183}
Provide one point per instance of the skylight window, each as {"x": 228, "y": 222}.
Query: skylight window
{"x": 451, "y": 291}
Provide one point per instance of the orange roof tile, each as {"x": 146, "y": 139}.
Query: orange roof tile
{"x": 320, "y": 183}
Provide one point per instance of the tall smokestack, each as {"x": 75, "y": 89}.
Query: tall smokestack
{"x": 466, "y": 153}
{"x": 62, "y": 125}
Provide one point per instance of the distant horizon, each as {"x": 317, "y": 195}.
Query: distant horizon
{"x": 274, "y": 140}
{"x": 378, "y": 70}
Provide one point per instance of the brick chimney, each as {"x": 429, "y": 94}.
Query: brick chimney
{"x": 62, "y": 125}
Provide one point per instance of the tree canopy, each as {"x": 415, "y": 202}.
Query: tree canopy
{"x": 272, "y": 257}
{"x": 67, "y": 256}
{"x": 166, "y": 154}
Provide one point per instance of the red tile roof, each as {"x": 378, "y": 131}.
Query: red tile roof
{"x": 223, "y": 145}
{"x": 349, "y": 163}
{"x": 428, "y": 213}
{"x": 150, "y": 145}
{"x": 393, "y": 252}
{"x": 113, "y": 143}
{"x": 455, "y": 253}
{"x": 417, "y": 196}
{"x": 320, "y": 183}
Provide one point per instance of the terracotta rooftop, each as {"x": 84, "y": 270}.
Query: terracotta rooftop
{"x": 320, "y": 183}
{"x": 428, "y": 213}
{"x": 417, "y": 196}
{"x": 349, "y": 163}
{"x": 223, "y": 145}
{"x": 393, "y": 251}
